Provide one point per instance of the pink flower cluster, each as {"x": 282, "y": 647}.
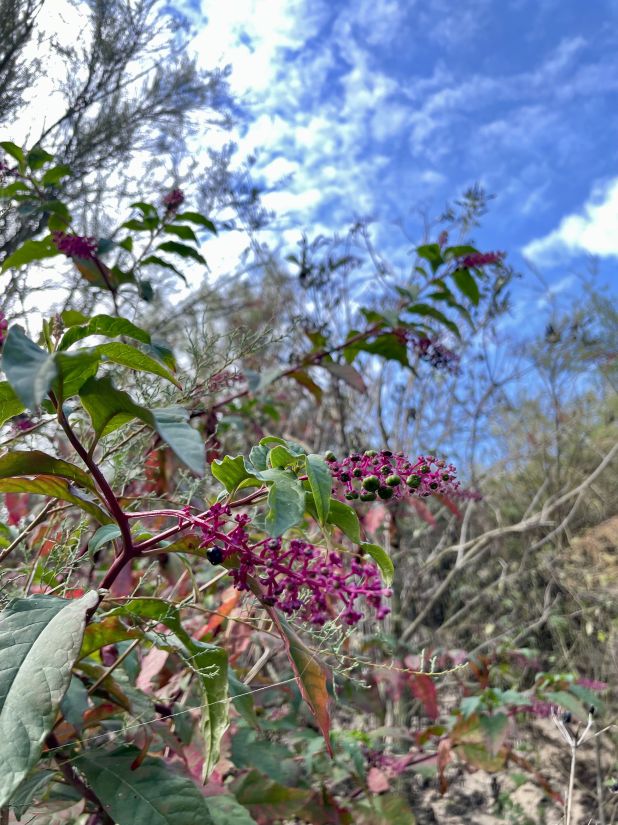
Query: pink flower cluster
{"x": 173, "y": 200}
{"x": 436, "y": 355}
{"x": 479, "y": 259}
{"x": 75, "y": 246}
{"x": 295, "y": 576}
{"x": 22, "y": 423}
{"x": 382, "y": 474}
{"x": 4, "y": 325}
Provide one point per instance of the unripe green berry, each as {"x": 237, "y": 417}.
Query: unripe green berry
{"x": 329, "y": 455}
{"x": 386, "y": 493}
{"x": 425, "y": 468}
{"x": 394, "y": 480}
{"x": 351, "y": 496}
{"x": 367, "y": 496}
{"x": 371, "y": 483}
{"x": 413, "y": 482}
{"x": 370, "y": 453}
{"x": 434, "y": 485}
{"x": 357, "y": 472}
{"x": 446, "y": 477}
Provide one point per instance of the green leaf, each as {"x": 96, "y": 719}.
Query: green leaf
{"x": 344, "y": 517}
{"x": 53, "y": 487}
{"x": 103, "y": 535}
{"x": 279, "y": 457}
{"x": 226, "y": 810}
{"x": 30, "y": 251}
{"x": 29, "y": 789}
{"x": 251, "y": 748}
{"x": 431, "y": 312}
{"x": 286, "y": 504}
{"x": 432, "y": 253}
{"x": 73, "y": 317}
{"x": 466, "y": 283}
{"x": 15, "y": 152}
{"x": 172, "y": 424}
{"x": 110, "y": 408}
{"x": 109, "y": 631}
{"x": 74, "y": 369}
{"x": 184, "y": 232}
{"x": 128, "y": 356}
{"x": 147, "y": 209}
{"x": 382, "y": 559}
{"x": 231, "y": 472}
{"x": 29, "y": 369}
{"x": 182, "y": 250}
{"x": 106, "y": 325}
{"x": 207, "y": 661}
{"x": 268, "y": 799}
{"x": 35, "y": 462}
{"x": 152, "y": 794}
{"x": 10, "y": 404}
{"x": 40, "y": 638}
{"x": 495, "y": 729}
{"x": 55, "y": 174}
{"x": 13, "y": 189}
{"x": 242, "y": 699}
{"x": 200, "y": 220}
{"x": 568, "y": 702}
{"x": 38, "y": 157}
{"x": 321, "y": 483}
{"x": 154, "y": 259}
{"x": 388, "y": 346}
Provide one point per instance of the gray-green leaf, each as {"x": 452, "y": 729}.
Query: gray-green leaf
{"x": 40, "y": 639}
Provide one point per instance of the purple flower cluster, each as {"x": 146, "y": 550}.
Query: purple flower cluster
{"x": 297, "y": 577}
{"x": 478, "y": 259}
{"x": 437, "y": 355}
{"x": 75, "y": 246}
{"x": 4, "y": 325}
{"x": 381, "y": 474}
{"x": 173, "y": 200}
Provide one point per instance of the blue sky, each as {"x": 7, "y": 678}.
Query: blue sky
{"x": 390, "y": 108}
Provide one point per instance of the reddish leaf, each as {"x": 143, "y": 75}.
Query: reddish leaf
{"x": 377, "y": 781}
{"x": 17, "y": 506}
{"x": 423, "y": 511}
{"x": 347, "y": 373}
{"x": 152, "y": 664}
{"x": 448, "y": 503}
{"x": 216, "y": 620}
{"x": 445, "y": 755}
{"x": 310, "y": 672}
{"x": 424, "y": 689}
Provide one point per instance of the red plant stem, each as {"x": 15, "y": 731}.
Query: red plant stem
{"x": 128, "y": 551}
{"x": 172, "y": 531}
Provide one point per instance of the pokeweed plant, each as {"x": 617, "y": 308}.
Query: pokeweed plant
{"x": 281, "y": 523}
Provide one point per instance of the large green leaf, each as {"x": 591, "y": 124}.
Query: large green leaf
{"x": 466, "y": 283}
{"x": 10, "y": 404}
{"x": 231, "y": 472}
{"x": 286, "y": 503}
{"x": 426, "y": 310}
{"x": 30, "y": 251}
{"x": 110, "y": 408}
{"x": 207, "y": 661}
{"x": 40, "y": 639}
{"x": 200, "y": 220}
{"x": 106, "y": 325}
{"x": 36, "y": 462}
{"x": 128, "y": 356}
{"x": 29, "y": 789}
{"x": 152, "y": 794}
{"x": 344, "y": 517}
{"x": 73, "y": 370}
{"x": 54, "y": 487}
{"x": 183, "y": 250}
{"x": 29, "y": 369}
{"x": 321, "y": 483}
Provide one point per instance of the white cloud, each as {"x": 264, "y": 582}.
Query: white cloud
{"x": 594, "y": 230}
